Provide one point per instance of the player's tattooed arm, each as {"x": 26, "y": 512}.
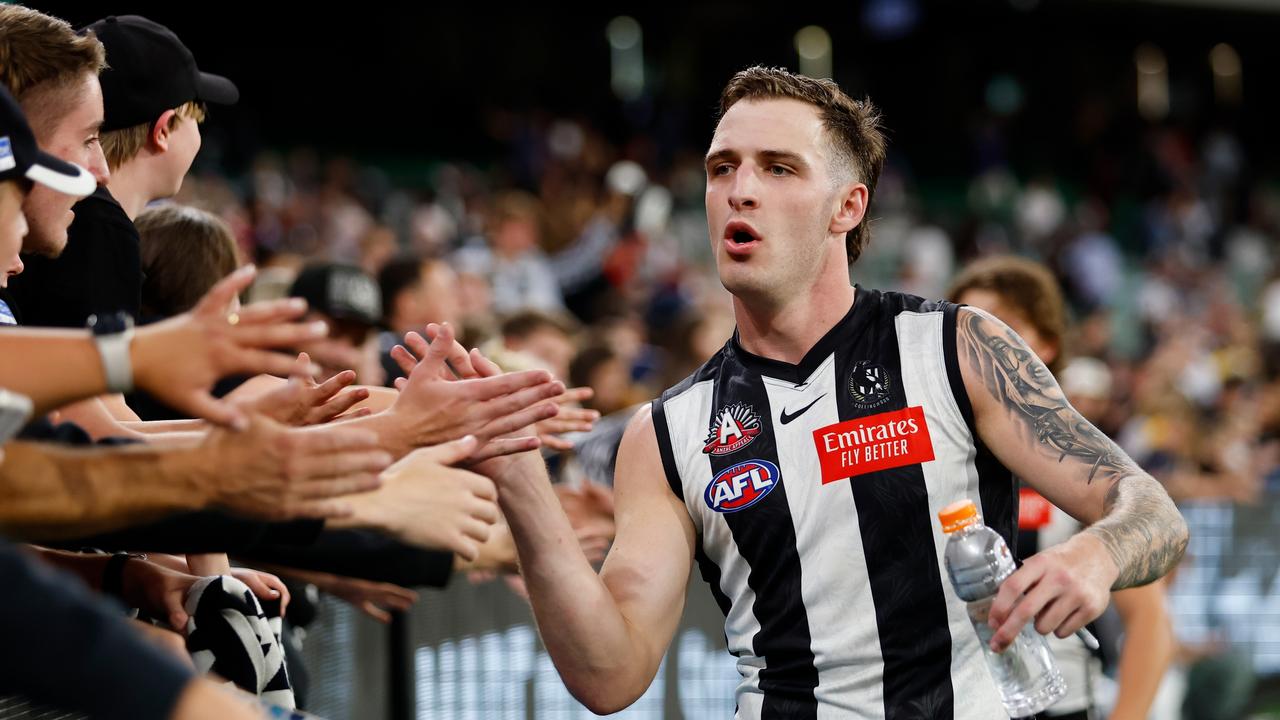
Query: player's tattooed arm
{"x": 1140, "y": 526}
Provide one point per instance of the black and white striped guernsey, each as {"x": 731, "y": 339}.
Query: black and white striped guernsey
{"x": 814, "y": 489}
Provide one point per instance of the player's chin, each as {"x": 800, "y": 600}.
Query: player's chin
{"x": 743, "y": 282}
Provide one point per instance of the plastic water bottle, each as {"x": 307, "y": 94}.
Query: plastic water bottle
{"x": 978, "y": 560}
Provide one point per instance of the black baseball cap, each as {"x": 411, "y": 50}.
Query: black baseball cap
{"x": 21, "y": 158}
{"x": 342, "y": 292}
{"x": 149, "y": 71}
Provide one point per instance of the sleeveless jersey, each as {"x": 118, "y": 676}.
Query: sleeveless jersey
{"x": 814, "y": 489}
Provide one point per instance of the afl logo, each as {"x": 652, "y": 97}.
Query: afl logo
{"x": 742, "y": 486}
{"x": 869, "y": 385}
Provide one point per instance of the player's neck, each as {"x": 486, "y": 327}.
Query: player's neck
{"x": 786, "y": 332}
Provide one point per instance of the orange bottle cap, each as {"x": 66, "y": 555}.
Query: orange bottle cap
{"x": 957, "y": 515}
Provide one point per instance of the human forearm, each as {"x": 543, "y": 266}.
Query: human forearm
{"x": 52, "y": 367}
{"x": 1149, "y": 647}
{"x": 95, "y": 418}
{"x": 1142, "y": 530}
{"x": 208, "y": 564}
{"x": 599, "y": 655}
{"x": 88, "y": 567}
{"x": 46, "y": 491}
{"x": 1025, "y": 418}
{"x": 92, "y": 416}
{"x": 393, "y": 431}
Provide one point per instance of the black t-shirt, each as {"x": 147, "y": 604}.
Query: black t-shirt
{"x": 69, "y": 648}
{"x": 100, "y": 271}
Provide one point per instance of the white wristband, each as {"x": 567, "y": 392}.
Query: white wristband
{"x": 113, "y": 348}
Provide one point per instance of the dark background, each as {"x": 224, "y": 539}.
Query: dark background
{"x": 423, "y": 82}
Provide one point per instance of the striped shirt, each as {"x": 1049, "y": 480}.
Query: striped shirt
{"x": 814, "y": 489}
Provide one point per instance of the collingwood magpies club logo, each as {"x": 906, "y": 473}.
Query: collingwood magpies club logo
{"x": 869, "y": 385}
{"x": 732, "y": 429}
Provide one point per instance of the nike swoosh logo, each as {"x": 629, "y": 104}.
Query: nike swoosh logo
{"x": 786, "y": 418}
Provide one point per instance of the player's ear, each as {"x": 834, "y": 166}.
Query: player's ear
{"x": 851, "y": 208}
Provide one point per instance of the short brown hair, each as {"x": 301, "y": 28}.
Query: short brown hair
{"x": 120, "y": 146}
{"x": 40, "y": 53}
{"x": 529, "y": 321}
{"x": 1025, "y": 285}
{"x": 853, "y": 127}
{"x": 185, "y": 251}
{"x": 515, "y": 205}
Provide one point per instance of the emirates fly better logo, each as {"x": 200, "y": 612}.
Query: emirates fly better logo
{"x": 876, "y": 442}
{"x": 732, "y": 429}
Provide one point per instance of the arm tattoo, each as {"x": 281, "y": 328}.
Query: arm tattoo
{"x": 1141, "y": 528}
{"x": 1021, "y": 382}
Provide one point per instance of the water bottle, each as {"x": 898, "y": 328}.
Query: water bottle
{"x": 977, "y": 561}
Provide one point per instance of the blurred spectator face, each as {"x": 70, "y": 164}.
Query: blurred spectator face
{"x": 1093, "y": 408}
{"x": 611, "y": 382}
{"x": 1095, "y": 334}
{"x": 475, "y": 297}
{"x": 626, "y": 336}
{"x": 377, "y": 247}
{"x": 13, "y": 226}
{"x": 434, "y": 297}
{"x": 438, "y": 293}
{"x": 71, "y": 136}
{"x": 993, "y": 303}
{"x": 552, "y": 347}
{"x": 1087, "y": 384}
{"x": 769, "y": 216}
{"x": 515, "y": 237}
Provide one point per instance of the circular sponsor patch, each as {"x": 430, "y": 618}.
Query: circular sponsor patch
{"x": 741, "y": 486}
{"x": 869, "y": 385}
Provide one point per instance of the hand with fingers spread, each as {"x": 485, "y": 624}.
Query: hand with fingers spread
{"x": 497, "y": 458}
{"x": 1060, "y": 589}
{"x": 434, "y": 406}
{"x": 276, "y": 473}
{"x": 571, "y": 418}
{"x": 303, "y": 401}
{"x": 178, "y": 360}
{"x": 457, "y": 361}
{"x": 425, "y": 502}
